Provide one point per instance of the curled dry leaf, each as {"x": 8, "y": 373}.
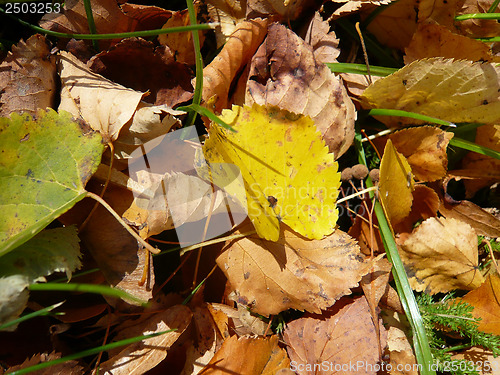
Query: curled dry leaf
{"x": 425, "y": 150}
{"x": 144, "y": 355}
{"x": 286, "y": 10}
{"x": 323, "y": 41}
{"x": 239, "y": 48}
{"x": 396, "y": 184}
{"x": 343, "y": 343}
{"x": 477, "y": 28}
{"x": 285, "y": 73}
{"x": 27, "y": 77}
{"x": 293, "y": 272}
{"x": 486, "y": 302}
{"x": 228, "y": 13}
{"x": 457, "y": 91}
{"x": 442, "y": 255}
{"x": 431, "y": 40}
{"x": 248, "y": 356}
{"x": 425, "y": 205}
{"x": 352, "y": 6}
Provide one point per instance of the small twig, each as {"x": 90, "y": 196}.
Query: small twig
{"x": 365, "y": 54}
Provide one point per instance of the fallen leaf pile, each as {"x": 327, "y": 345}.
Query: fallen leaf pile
{"x": 261, "y": 267}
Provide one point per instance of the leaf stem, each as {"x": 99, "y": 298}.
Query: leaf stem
{"x": 124, "y": 224}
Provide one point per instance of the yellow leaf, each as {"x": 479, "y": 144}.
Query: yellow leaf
{"x": 457, "y": 91}
{"x": 396, "y": 184}
{"x": 288, "y": 173}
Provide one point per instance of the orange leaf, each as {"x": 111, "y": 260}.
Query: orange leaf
{"x": 486, "y": 302}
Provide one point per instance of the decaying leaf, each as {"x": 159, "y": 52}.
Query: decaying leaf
{"x": 293, "y": 272}
{"x": 248, "y": 356}
{"x": 442, "y": 255}
{"x": 486, "y": 363}
{"x": 478, "y": 28}
{"x": 280, "y": 155}
{"x": 284, "y": 73}
{"x": 142, "y": 356}
{"x": 352, "y": 6}
{"x": 44, "y": 167}
{"x": 425, "y": 150}
{"x": 451, "y": 90}
{"x": 27, "y": 77}
{"x": 323, "y": 41}
{"x": 239, "y": 48}
{"x": 486, "y": 302}
{"x": 344, "y": 342}
{"x": 396, "y": 184}
{"x": 425, "y": 205}
{"x": 68, "y": 367}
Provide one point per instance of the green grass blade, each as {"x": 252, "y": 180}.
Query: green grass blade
{"x": 42, "y": 312}
{"x": 146, "y": 33}
{"x": 198, "y": 63}
{"x": 478, "y": 16}
{"x": 90, "y": 21}
{"x": 206, "y": 112}
{"x": 87, "y": 353}
{"x": 416, "y": 116}
{"x": 493, "y": 6}
{"x": 86, "y": 288}
{"x": 420, "y": 342}
{"x": 379, "y": 71}
{"x": 462, "y": 143}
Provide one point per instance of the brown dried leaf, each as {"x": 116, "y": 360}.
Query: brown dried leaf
{"x": 394, "y": 26}
{"x": 218, "y": 76}
{"x": 396, "y": 184}
{"x": 104, "y": 105}
{"x": 68, "y": 367}
{"x": 488, "y": 136}
{"x": 352, "y": 6}
{"x": 108, "y": 18}
{"x": 148, "y": 17}
{"x": 486, "y": 302}
{"x": 180, "y": 44}
{"x": 442, "y": 255}
{"x": 293, "y": 272}
{"x": 476, "y": 28}
{"x": 286, "y": 10}
{"x": 248, "y": 356}
{"x": 242, "y": 321}
{"x": 323, "y": 41}
{"x": 284, "y": 73}
{"x": 115, "y": 251}
{"x": 486, "y": 363}
{"x": 425, "y": 205}
{"x": 130, "y": 64}
{"x": 27, "y": 77}
{"x": 431, "y": 40}
{"x": 343, "y": 343}
{"x": 228, "y": 13}
{"x": 452, "y": 90}
{"x": 376, "y": 283}
{"x": 401, "y": 353}
{"x": 142, "y": 356}
{"x": 425, "y": 149}
{"x": 484, "y": 223}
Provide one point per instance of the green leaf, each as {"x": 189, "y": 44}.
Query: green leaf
{"x": 44, "y": 166}
{"x": 54, "y": 250}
